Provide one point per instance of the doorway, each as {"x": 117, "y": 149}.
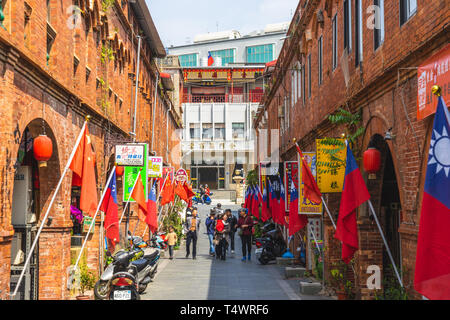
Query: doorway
{"x": 208, "y": 176}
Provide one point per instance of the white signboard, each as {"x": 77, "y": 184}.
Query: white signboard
{"x": 130, "y": 155}
{"x": 155, "y": 167}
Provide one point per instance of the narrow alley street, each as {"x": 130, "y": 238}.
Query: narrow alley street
{"x": 209, "y": 279}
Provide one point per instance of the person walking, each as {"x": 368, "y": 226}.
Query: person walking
{"x": 192, "y": 226}
{"x": 171, "y": 240}
{"x": 210, "y": 223}
{"x": 245, "y": 224}
{"x": 221, "y": 237}
{"x": 232, "y": 220}
{"x": 219, "y": 209}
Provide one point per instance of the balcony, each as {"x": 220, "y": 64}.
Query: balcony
{"x": 227, "y": 98}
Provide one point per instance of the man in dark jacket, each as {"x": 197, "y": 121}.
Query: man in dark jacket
{"x": 210, "y": 229}
{"x": 245, "y": 223}
{"x": 192, "y": 227}
{"x": 232, "y": 220}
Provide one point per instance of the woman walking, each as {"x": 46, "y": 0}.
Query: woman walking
{"x": 245, "y": 224}
{"x": 221, "y": 237}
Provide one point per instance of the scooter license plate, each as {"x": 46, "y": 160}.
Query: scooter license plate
{"x": 258, "y": 251}
{"x": 122, "y": 295}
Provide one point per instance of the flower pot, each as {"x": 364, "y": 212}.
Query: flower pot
{"x": 341, "y": 295}
{"x": 83, "y": 297}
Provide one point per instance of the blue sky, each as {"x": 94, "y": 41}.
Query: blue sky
{"x": 178, "y": 21}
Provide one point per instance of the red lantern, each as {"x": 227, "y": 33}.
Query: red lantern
{"x": 42, "y": 149}
{"x": 119, "y": 171}
{"x": 372, "y": 160}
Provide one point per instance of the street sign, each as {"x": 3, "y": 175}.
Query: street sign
{"x": 130, "y": 174}
{"x": 130, "y": 155}
{"x": 181, "y": 175}
{"x": 330, "y": 174}
{"x": 155, "y": 167}
{"x": 306, "y": 206}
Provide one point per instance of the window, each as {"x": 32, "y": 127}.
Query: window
{"x": 299, "y": 80}
{"x": 194, "y": 130}
{"x": 238, "y": 130}
{"x": 286, "y": 113}
{"x": 227, "y": 55}
{"x": 219, "y": 131}
{"x": 359, "y": 32}
{"x": 379, "y": 24}
{"x": 293, "y": 75}
{"x": 335, "y": 44}
{"x": 348, "y": 25}
{"x": 407, "y": 9}
{"x": 260, "y": 54}
{"x": 207, "y": 132}
{"x": 188, "y": 60}
{"x": 320, "y": 56}
{"x": 309, "y": 75}
{"x": 304, "y": 84}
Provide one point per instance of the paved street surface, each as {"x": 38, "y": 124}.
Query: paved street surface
{"x": 209, "y": 279}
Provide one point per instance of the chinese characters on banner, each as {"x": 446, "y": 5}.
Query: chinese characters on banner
{"x": 330, "y": 180}
{"x": 306, "y": 206}
{"x": 130, "y": 155}
{"x": 434, "y": 71}
{"x": 130, "y": 174}
{"x": 290, "y": 173}
{"x": 155, "y": 165}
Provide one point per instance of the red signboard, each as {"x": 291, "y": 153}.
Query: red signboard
{"x": 434, "y": 71}
{"x": 290, "y": 173}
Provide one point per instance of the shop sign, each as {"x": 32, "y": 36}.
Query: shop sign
{"x": 330, "y": 174}
{"x": 130, "y": 175}
{"x": 155, "y": 167}
{"x": 130, "y": 155}
{"x": 434, "y": 71}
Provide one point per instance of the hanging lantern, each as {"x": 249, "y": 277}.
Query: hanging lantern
{"x": 42, "y": 149}
{"x": 119, "y": 171}
{"x": 372, "y": 162}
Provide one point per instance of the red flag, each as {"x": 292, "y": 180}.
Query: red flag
{"x": 168, "y": 193}
{"x": 265, "y": 214}
{"x": 296, "y": 221}
{"x": 138, "y": 195}
{"x": 432, "y": 273}
{"x": 152, "y": 214}
{"x": 274, "y": 204}
{"x": 256, "y": 202}
{"x": 83, "y": 167}
{"x": 110, "y": 208}
{"x": 311, "y": 190}
{"x": 354, "y": 194}
{"x": 282, "y": 203}
{"x": 181, "y": 192}
{"x": 189, "y": 192}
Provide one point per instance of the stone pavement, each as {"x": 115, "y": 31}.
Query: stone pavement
{"x": 209, "y": 279}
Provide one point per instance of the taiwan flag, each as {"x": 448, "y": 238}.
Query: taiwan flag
{"x": 296, "y": 221}
{"x": 265, "y": 214}
{"x": 110, "y": 208}
{"x": 256, "y": 202}
{"x": 247, "y": 197}
{"x": 432, "y": 273}
{"x": 282, "y": 203}
{"x": 210, "y": 59}
{"x": 152, "y": 215}
{"x": 354, "y": 194}
{"x": 274, "y": 203}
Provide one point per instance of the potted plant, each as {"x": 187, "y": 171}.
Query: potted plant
{"x": 87, "y": 282}
{"x": 338, "y": 283}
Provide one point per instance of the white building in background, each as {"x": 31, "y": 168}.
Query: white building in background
{"x": 220, "y": 100}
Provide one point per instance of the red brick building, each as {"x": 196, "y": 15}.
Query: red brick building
{"x": 59, "y": 63}
{"x": 333, "y": 58}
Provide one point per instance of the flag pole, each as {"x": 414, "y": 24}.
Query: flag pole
{"x": 70, "y": 279}
{"x": 129, "y": 197}
{"x": 385, "y": 243}
{"x": 328, "y": 211}
{"x": 157, "y": 201}
{"x": 80, "y": 135}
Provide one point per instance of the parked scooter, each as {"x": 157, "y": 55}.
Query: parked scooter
{"x": 270, "y": 246}
{"x": 206, "y": 199}
{"x": 122, "y": 284}
{"x": 143, "y": 265}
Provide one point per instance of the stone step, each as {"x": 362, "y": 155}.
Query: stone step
{"x": 294, "y": 272}
{"x": 284, "y": 261}
{"x": 310, "y": 288}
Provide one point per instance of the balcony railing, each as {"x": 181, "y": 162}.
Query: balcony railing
{"x": 227, "y": 98}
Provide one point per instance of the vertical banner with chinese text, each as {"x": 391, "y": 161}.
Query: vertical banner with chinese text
{"x": 330, "y": 172}
{"x": 306, "y": 206}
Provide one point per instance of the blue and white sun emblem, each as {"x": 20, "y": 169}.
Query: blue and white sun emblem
{"x": 440, "y": 151}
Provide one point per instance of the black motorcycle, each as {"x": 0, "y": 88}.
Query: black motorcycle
{"x": 270, "y": 246}
{"x": 123, "y": 282}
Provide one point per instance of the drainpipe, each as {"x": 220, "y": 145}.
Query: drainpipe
{"x": 153, "y": 110}
{"x": 137, "y": 85}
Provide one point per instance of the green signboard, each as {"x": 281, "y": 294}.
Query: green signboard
{"x": 130, "y": 174}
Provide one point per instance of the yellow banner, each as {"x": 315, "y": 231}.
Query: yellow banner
{"x": 330, "y": 172}
{"x": 306, "y": 206}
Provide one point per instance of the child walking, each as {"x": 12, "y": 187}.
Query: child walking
{"x": 171, "y": 240}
